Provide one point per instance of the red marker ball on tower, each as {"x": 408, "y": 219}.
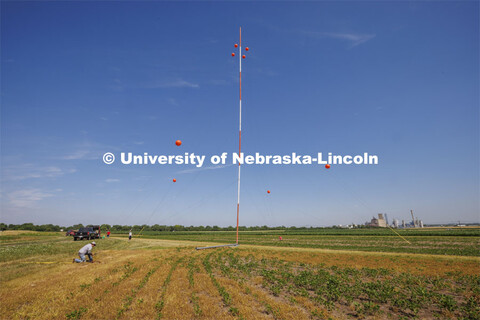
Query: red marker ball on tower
{"x": 247, "y": 48}
{"x": 243, "y": 57}
{"x": 174, "y": 180}
{"x": 268, "y": 191}
{"x": 236, "y": 45}
{"x": 327, "y": 166}
{"x": 233, "y": 54}
{"x": 178, "y": 143}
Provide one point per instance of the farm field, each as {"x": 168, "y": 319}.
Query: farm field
{"x": 439, "y": 241}
{"x": 152, "y": 278}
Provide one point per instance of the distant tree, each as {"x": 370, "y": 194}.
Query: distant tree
{"x": 3, "y": 226}
{"x": 27, "y": 226}
{"x": 178, "y": 227}
{"x": 116, "y": 227}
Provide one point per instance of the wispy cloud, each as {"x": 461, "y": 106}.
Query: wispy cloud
{"x": 204, "y": 168}
{"x": 172, "y": 101}
{"x": 30, "y": 171}
{"x": 26, "y": 198}
{"x": 78, "y": 154}
{"x": 354, "y": 38}
{"x": 87, "y": 151}
{"x": 174, "y": 84}
{"x": 112, "y": 180}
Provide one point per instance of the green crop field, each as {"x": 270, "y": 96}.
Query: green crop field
{"x": 449, "y": 241}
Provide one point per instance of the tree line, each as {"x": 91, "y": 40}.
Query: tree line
{"x": 136, "y": 228}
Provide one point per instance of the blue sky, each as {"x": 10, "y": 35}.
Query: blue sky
{"x": 395, "y": 79}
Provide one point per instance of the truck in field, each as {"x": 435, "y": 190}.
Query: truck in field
{"x": 89, "y": 232}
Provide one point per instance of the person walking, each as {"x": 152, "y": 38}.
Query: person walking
{"x": 130, "y": 235}
{"x": 86, "y": 250}
{"x": 108, "y": 234}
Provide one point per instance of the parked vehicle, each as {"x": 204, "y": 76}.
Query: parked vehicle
{"x": 90, "y": 232}
{"x": 70, "y": 233}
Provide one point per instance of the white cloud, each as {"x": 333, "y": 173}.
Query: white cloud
{"x": 174, "y": 84}
{"x": 112, "y": 180}
{"x": 79, "y": 154}
{"x": 354, "y": 39}
{"x": 26, "y": 198}
{"x": 29, "y": 171}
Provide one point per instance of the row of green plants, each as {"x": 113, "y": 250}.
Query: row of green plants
{"x": 128, "y": 269}
{"x": 368, "y": 291}
{"x": 161, "y": 303}
{"x": 130, "y": 298}
{"x": 226, "y": 298}
{"x": 192, "y": 270}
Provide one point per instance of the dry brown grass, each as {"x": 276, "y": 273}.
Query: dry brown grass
{"x": 129, "y": 284}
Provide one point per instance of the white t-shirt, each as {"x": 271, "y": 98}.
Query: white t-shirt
{"x": 86, "y": 249}
{"x": 130, "y": 234}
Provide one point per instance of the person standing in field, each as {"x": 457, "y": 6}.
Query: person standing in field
{"x": 108, "y": 234}
{"x": 130, "y": 235}
{"x": 86, "y": 250}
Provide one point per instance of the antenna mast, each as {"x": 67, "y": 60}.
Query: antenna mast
{"x": 239, "y": 126}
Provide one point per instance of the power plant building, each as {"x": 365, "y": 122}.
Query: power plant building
{"x": 380, "y": 222}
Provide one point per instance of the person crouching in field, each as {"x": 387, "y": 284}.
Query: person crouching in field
{"x": 86, "y": 250}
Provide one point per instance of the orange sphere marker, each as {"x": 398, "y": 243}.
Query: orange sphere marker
{"x": 174, "y": 180}
{"x": 243, "y": 56}
{"x": 236, "y": 45}
{"x": 233, "y": 54}
{"x": 268, "y": 191}
{"x": 178, "y": 143}
{"x": 247, "y": 49}
{"x": 327, "y": 166}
